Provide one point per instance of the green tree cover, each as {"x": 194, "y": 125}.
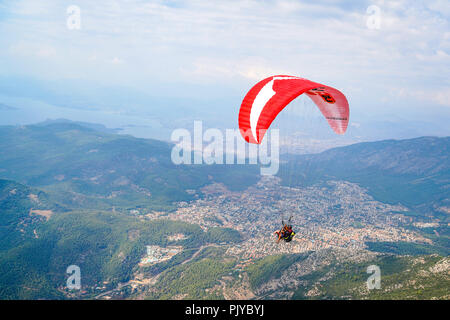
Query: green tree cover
{"x": 409, "y": 248}
{"x": 270, "y": 267}
{"x": 85, "y": 168}
{"x": 107, "y": 246}
{"x": 192, "y": 280}
{"x": 401, "y": 278}
{"x": 16, "y": 222}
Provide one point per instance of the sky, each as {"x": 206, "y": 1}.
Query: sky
{"x": 163, "y": 63}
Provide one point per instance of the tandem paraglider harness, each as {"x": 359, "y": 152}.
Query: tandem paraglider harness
{"x": 286, "y": 233}
{"x": 288, "y": 236}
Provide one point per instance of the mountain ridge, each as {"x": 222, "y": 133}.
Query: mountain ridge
{"x": 414, "y": 172}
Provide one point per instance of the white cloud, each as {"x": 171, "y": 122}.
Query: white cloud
{"x": 224, "y": 41}
{"x": 33, "y": 50}
{"x": 116, "y": 60}
{"x": 252, "y": 68}
{"x": 438, "y": 95}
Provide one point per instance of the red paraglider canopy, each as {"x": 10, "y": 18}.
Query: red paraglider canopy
{"x": 268, "y": 97}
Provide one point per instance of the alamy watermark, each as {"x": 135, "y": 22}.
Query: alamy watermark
{"x": 213, "y": 146}
{"x": 374, "y": 17}
{"x": 74, "y": 19}
{"x": 74, "y": 281}
{"x": 374, "y": 281}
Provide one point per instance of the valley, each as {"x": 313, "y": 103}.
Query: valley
{"x": 100, "y": 200}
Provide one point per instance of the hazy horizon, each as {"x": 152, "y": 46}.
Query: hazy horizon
{"x": 149, "y": 67}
